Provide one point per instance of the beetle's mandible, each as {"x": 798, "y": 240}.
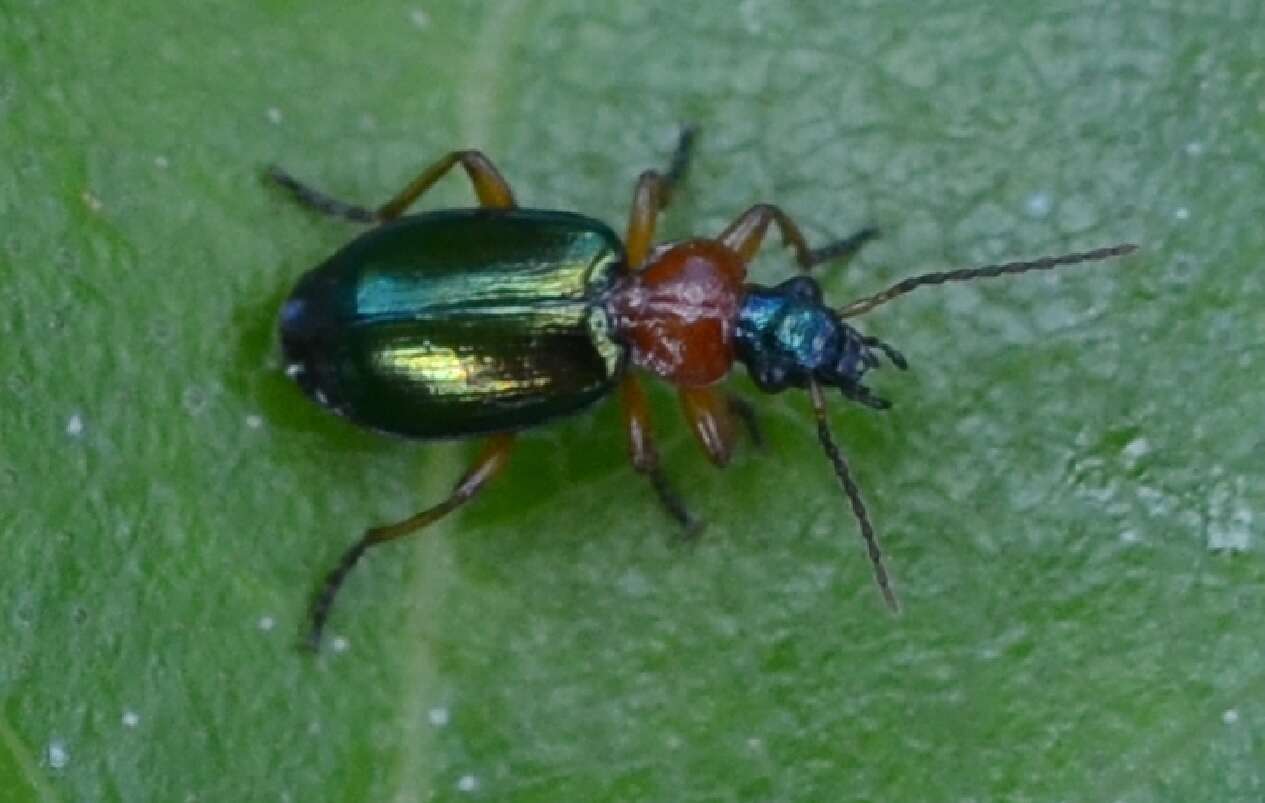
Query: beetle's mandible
{"x": 485, "y": 321}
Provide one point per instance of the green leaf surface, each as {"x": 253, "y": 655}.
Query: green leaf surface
{"x": 1069, "y": 487}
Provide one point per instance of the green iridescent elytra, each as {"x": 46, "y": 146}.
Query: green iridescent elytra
{"x": 459, "y": 322}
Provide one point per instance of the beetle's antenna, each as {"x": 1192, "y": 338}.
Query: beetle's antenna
{"x": 854, "y": 496}
{"x": 863, "y": 305}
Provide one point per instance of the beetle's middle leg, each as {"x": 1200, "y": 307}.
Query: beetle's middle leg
{"x": 652, "y": 195}
{"x": 490, "y": 187}
{"x": 491, "y": 460}
{"x": 645, "y": 457}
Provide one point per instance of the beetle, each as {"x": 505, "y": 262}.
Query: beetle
{"x": 485, "y": 321}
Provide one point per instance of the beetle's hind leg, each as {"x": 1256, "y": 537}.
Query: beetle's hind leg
{"x": 491, "y": 460}
{"x": 490, "y": 187}
{"x": 318, "y": 201}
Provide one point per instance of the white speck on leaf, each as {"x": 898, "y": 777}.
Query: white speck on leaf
{"x": 438, "y": 716}
{"x": 131, "y": 719}
{"x": 1136, "y": 449}
{"x": 1182, "y": 213}
{"x": 1230, "y": 518}
{"x": 1194, "y": 148}
{"x": 57, "y": 754}
{"x": 419, "y": 18}
{"x": 161, "y": 162}
{"x": 1038, "y": 204}
{"x": 91, "y": 201}
{"x": 254, "y": 421}
{"x": 274, "y": 115}
{"x": 74, "y": 427}
{"x": 266, "y": 623}
{"x": 468, "y": 783}
{"x": 339, "y": 644}
{"x": 1230, "y": 716}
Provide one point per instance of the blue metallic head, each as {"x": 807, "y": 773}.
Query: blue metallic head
{"x": 787, "y": 336}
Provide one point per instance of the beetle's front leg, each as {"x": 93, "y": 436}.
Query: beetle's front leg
{"x": 645, "y": 458}
{"x": 745, "y": 412}
{"x": 746, "y": 234}
{"x": 710, "y": 416}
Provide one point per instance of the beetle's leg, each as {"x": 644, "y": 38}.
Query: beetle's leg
{"x": 645, "y": 458}
{"x": 681, "y": 156}
{"x": 840, "y": 251}
{"x": 652, "y": 195}
{"x": 490, "y": 187}
{"x": 709, "y": 416}
{"x": 742, "y": 409}
{"x": 746, "y": 234}
{"x": 491, "y": 460}
{"x": 648, "y": 200}
{"x": 316, "y": 200}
